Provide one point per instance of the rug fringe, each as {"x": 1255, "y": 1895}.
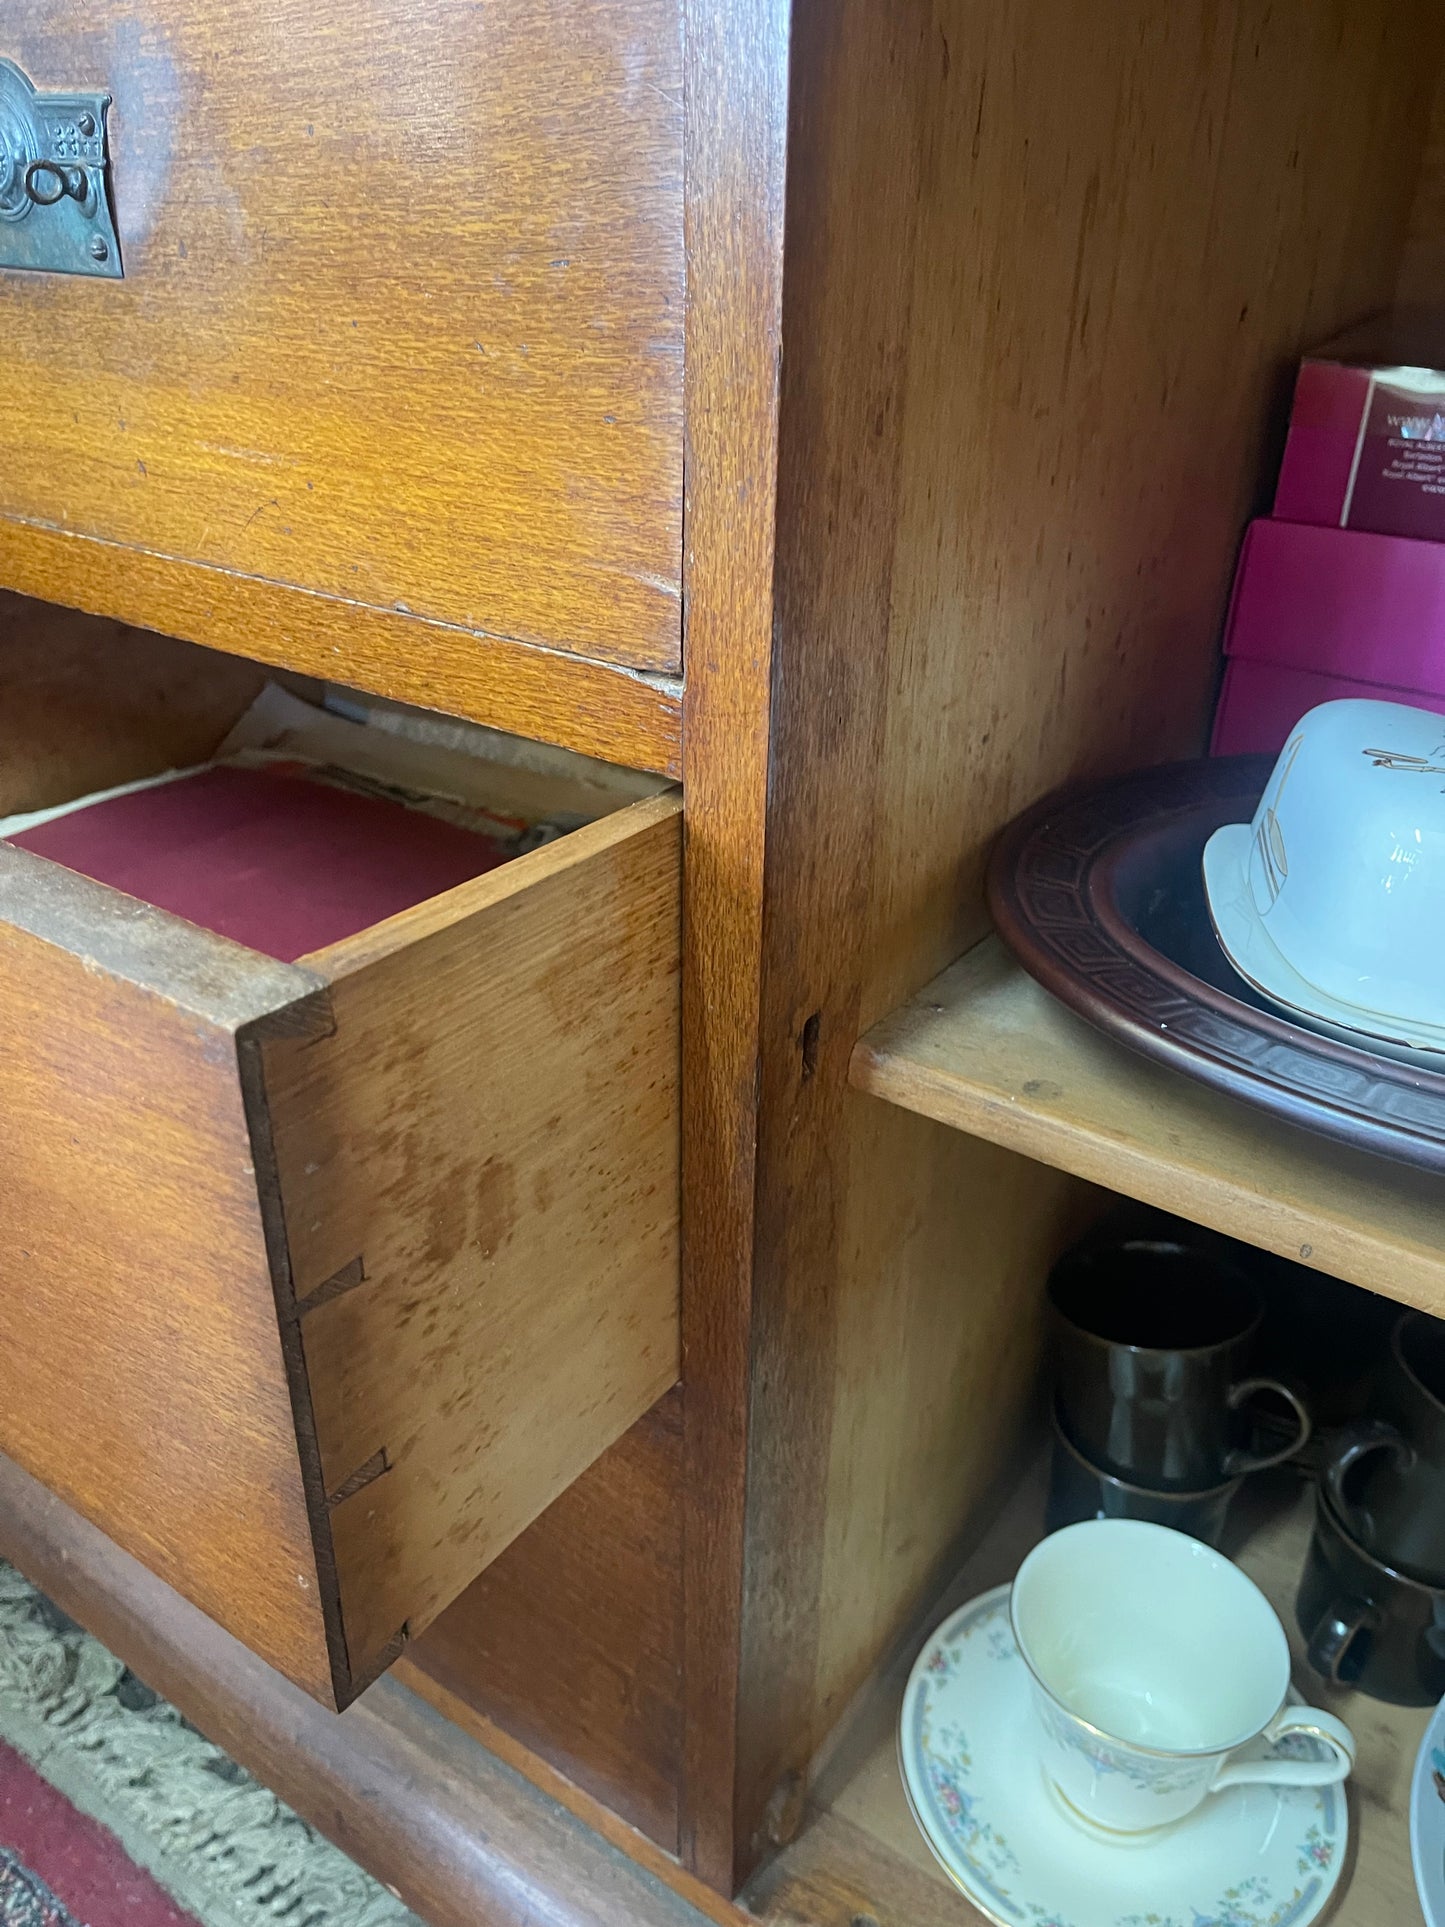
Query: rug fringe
{"x": 223, "y": 1847}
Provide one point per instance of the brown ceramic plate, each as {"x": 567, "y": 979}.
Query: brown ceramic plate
{"x": 1099, "y": 893}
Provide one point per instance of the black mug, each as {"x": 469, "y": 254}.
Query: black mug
{"x": 1152, "y": 1344}
{"x": 1079, "y": 1490}
{"x": 1365, "y": 1624}
{"x": 1386, "y": 1476}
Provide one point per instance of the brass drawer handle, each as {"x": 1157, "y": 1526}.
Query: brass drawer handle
{"x": 66, "y": 180}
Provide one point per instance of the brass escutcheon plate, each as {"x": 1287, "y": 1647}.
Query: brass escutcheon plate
{"x": 55, "y": 213}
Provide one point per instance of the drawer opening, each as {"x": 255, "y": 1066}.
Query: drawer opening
{"x": 350, "y": 1258}
{"x": 284, "y": 814}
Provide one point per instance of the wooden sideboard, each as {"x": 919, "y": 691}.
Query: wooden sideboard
{"x": 851, "y": 411}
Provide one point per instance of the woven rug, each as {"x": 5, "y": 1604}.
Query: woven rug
{"x": 24, "y": 1897}
{"x": 25, "y": 1900}
{"x": 102, "y": 1760}
{"x": 58, "y": 1868}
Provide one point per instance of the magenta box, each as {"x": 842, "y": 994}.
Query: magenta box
{"x": 1366, "y": 447}
{"x": 1324, "y": 612}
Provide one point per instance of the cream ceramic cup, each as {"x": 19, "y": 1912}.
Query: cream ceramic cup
{"x": 1160, "y": 1675}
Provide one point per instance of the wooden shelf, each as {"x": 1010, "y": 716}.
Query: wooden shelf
{"x": 986, "y": 1050}
{"x": 861, "y": 1846}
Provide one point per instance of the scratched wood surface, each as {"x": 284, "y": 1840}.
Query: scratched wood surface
{"x": 458, "y": 1830}
{"x": 478, "y": 1171}
{"x": 402, "y": 311}
{"x": 575, "y": 702}
{"x": 1046, "y": 274}
{"x": 338, "y": 1319}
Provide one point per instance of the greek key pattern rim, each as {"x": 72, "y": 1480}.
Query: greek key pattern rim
{"x": 1049, "y": 892}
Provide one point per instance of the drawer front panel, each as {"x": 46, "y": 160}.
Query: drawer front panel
{"x": 321, "y": 1282}
{"x": 402, "y": 311}
{"x": 141, "y": 1369}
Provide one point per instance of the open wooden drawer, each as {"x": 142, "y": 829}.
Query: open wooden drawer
{"x": 322, "y": 1280}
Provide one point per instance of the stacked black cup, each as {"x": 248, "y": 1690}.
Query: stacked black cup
{"x": 1372, "y": 1598}
{"x": 1156, "y": 1407}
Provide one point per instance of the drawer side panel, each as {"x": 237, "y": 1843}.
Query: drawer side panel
{"x": 479, "y": 1174}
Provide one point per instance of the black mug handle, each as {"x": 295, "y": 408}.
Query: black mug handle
{"x": 1354, "y": 1443}
{"x": 1238, "y": 1462}
{"x": 1336, "y": 1630}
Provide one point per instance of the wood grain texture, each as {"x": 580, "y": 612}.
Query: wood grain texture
{"x": 484, "y": 1155}
{"x": 837, "y": 1871}
{"x": 595, "y": 707}
{"x": 87, "y": 704}
{"x": 142, "y": 1374}
{"x": 572, "y": 1639}
{"x": 735, "y": 134}
{"x": 403, "y": 330}
{"x": 463, "y": 1838}
{"x": 1422, "y": 271}
{"x": 1024, "y": 245}
{"x": 846, "y": 317}
{"x": 1154, "y": 196}
{"x": 602, "y": 1819}
{"x": 1206, "y": 188}
{"x": 448, "y": 756}
{"x": 985, "y": 1050}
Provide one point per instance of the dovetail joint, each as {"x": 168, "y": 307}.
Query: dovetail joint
{"x": 362, "y": 1476}
{"x": 347, "y": 1279}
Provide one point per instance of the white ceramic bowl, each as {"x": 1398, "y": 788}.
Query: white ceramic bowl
{"x": 1332, "y": 901}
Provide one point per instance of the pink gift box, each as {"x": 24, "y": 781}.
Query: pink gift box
{"x": 1319, "y": 613}
{"x": 1366, "y": 447}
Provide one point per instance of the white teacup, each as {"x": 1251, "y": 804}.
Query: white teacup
{"x": 1160, "y": 1675}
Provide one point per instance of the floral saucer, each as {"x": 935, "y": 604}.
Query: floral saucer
{"x": 1427, "y": 1820}
{"x": 1254, "y": 1856}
